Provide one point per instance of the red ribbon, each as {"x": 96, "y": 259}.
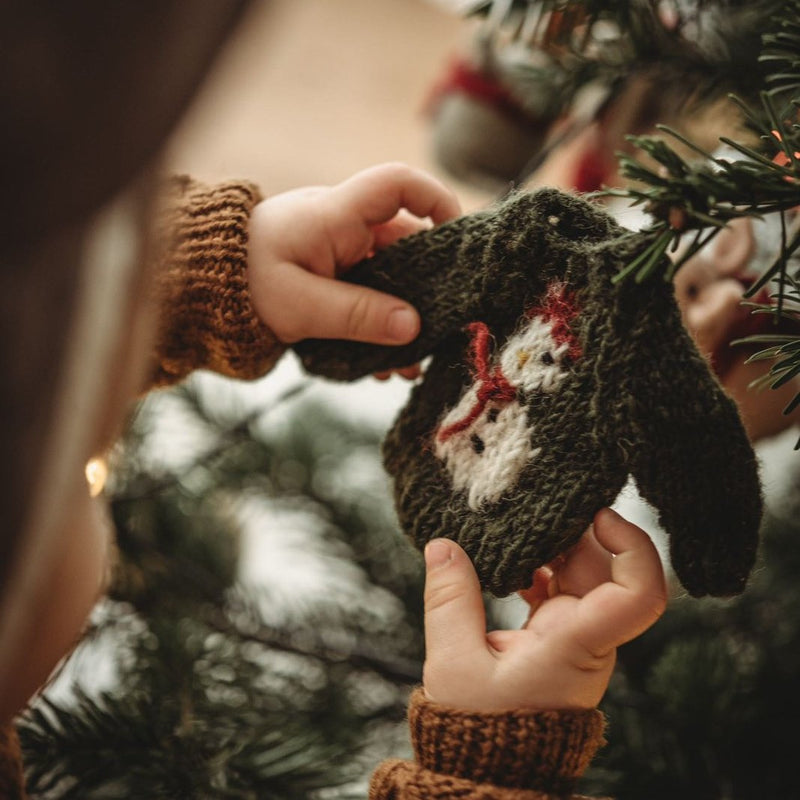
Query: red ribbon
{"x": 493, "y": 385}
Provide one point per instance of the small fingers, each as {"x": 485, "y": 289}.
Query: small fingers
{"x": 401, "y": 225}
{"x": 620, "y": 609}
{"x": 455, "y": 620}
{"x": 409, "y": 373}
{"x": 637, "y": 565}
{"x": 585, "y": 566}
{"x": 538, "y": 592}
{"x": 304, "y": 305}
{"x": 378, "y": 193}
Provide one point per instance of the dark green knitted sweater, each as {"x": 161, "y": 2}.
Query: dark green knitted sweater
{"x": 549, "y": 385}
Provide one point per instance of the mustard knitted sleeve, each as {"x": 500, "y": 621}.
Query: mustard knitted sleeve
{"x": 514, "y": 755}
{"x": 206, "y": 319}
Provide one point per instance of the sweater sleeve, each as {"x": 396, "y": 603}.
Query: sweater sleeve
{"x": 514, "y": 755}
{"x": 206, "y": 320}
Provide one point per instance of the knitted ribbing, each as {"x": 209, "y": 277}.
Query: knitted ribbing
{"x": 402, "y": 780}
{"x": 614, "y": 386}
{"x": 206, "y": 319}
{"x": 513, "y": 755}
{"x": 12, "y": 784}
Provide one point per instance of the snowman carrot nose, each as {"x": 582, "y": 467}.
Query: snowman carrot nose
{"x": 523, "y": 356}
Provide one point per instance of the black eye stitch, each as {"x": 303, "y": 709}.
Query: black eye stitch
{"x": 547, "y": 358}
{"x": 493, "y": 414}
{"x": 477, "y": 443}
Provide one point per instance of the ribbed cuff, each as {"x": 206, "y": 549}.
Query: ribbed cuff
{"x": 403, "y": 780}
{"x": 207, "y": 320}
{"x": 535, "y": 750}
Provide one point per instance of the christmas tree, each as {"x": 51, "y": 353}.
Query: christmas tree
{"x": 227, "y": 687}
{"x": 690, "y": 55}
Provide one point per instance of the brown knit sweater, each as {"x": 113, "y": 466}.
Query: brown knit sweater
{"x": 207, "y": 322}
{"x": 206, "y": 319}
{"x": 514, "y": 755}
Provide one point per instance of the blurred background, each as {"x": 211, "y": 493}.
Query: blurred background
{"x": 311, "y": 92}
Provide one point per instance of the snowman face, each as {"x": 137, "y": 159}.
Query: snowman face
{"x": 532, "y": 360}
{"x": 486, "y": 440}
{"x": 485, "y": 459}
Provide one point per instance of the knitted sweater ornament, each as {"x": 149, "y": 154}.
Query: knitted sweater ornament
{"x": 549, "y": 384}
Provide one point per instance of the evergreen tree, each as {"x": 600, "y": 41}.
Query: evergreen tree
{"x": 223, "y": 689}
{"x": 713, "y": 47}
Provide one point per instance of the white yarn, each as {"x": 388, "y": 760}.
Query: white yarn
{"x": 521, "y": 358}
{"x": 487, "y": 474}
{"x": 486, "y": 459}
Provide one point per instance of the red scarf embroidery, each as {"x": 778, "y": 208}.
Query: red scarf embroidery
{"x": 493, "y": 385}
{"x": 558, "y": 309}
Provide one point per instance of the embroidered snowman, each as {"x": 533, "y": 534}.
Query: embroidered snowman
{"x": 485, "y": 440}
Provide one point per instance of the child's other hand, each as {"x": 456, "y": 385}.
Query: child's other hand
{"x": 709, "y": 289}
{"x": 302, "y": 239}
{"x": 607, "y": 590}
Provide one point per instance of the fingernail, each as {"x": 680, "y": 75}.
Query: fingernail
{"x": 437, "y": 553}
{"x": 402, "y": 325}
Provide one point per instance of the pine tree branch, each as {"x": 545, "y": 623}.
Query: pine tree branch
{"x": 706, "y": 195}
{"x": 333, "y": 647}
{"x": 144, "y": 487}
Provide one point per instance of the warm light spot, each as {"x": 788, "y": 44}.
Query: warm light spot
{"x": 96, "y": 473}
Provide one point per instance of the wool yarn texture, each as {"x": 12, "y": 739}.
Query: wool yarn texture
{"x": 549, "y": 384}
{"x": 544, "y": 751}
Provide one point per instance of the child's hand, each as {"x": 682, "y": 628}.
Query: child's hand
{"x": 709, "y": 289}
{"x": 607, "y": 590}
{"x": 301, "y": 240}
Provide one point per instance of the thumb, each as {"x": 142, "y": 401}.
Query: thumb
{"x": 455, "y": 620}
{"x": 304, "y": 305}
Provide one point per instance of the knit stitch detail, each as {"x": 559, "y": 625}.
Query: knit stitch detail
{"x": 485, "y": 460}
{"x": 12, "y": 784}
{"x": 207, "y": 320}
{"x": 404, "y": 780}
{"x": 559, "y": 308}
{"x": 486, "y": 440}
{"x": 542, "y": 750}
{"x": 626, "y": 393}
